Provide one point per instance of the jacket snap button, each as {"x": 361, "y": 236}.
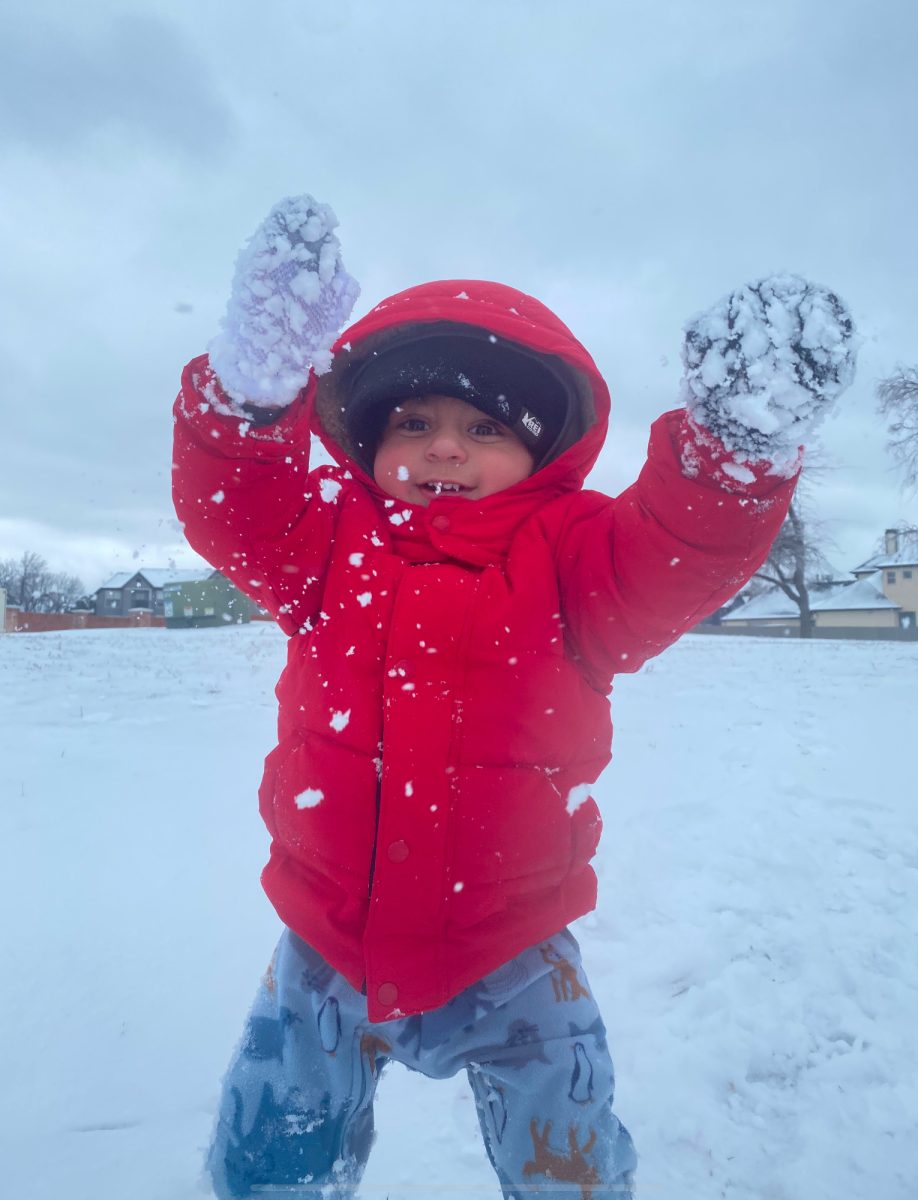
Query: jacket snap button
{"x": 387, "y": 994}
{"x": 441, "y": 522}
{"x": 398, "y": 851}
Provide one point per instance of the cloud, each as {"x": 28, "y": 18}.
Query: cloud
{"x": 135, "y": 77}
{"x": 93, "y": 557}
{"x": 626, "y": 164}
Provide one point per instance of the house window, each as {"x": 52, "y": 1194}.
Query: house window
{"x": 906, "y": 620}
{"x": 140, "y": 598}
{"x": 906, "y": 574}
{"x": 890, "y": 576}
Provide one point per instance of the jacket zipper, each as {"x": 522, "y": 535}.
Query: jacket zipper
{"x": 375, "y": 840}
{"x": 363, "y": 988}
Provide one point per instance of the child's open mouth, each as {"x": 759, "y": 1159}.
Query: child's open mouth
{"x": 439, "y": 487}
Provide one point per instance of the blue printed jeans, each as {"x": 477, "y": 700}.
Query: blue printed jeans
{"x": 296, "y": 1115}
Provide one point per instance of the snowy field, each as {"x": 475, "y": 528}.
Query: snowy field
{"x": 754, "y": 952}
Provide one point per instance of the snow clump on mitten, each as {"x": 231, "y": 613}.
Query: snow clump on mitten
{"x": 290, "y": 297}
{"x": 765, "y": 364}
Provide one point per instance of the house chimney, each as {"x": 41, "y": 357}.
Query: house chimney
{"x": 892, "y": 541}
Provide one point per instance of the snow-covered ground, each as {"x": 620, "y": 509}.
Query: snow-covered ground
{"x": 754, "y": 951}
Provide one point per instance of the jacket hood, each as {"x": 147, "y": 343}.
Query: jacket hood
{"x": 495, "y": 308}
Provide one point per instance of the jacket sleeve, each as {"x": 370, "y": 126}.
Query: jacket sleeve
{"x": 636, "y": 572}
{"x": 246, "y": 499}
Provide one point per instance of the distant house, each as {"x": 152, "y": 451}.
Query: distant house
{"x": 897, "y": 565}
{"x": 882, "y": 595}
{"x": 855, "y": 603}
{"x": 142, "y": 591}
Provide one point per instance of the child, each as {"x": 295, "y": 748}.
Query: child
{"x": 456, "y": 606}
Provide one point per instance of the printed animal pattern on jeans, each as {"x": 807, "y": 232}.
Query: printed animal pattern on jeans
{"x": 296, "y": 1115}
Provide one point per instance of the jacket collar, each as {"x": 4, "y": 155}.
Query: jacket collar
{"x": 475, "y": 532}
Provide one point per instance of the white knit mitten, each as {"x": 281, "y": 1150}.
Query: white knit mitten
{"x": 290, "y": 297}
{"x": 765, "y": 364}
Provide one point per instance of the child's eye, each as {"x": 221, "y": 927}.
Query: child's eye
{"x": 486, "y": 429}
{"x": 412, "y": 424}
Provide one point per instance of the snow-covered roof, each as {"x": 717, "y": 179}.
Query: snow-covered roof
{"x": 905, "y": 556}
{"x": 157, "y": 577}
{"x": 767, "y": 604}
{"x": 862, "y": 594}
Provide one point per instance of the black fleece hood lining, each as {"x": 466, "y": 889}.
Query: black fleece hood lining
{"x": 526, "y": 392}
{"x": 333, "y": 390}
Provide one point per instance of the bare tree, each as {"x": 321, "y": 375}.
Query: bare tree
{"x": 898, "y": 402}
{"x": 795, "y": 562}
{"x": 34, "y": 588}
{"x": 22, "y": 577}
{"x": 61, "y": 593}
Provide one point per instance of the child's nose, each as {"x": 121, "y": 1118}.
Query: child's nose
{"x": 446, "y": 445}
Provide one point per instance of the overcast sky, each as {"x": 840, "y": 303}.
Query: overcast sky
{"x": 626, "y": 163}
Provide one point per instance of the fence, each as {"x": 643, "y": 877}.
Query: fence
{"x": 843, "y": 632}
{"x": 29, "y": 622}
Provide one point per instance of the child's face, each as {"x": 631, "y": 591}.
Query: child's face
{"x": 441, "y": 446}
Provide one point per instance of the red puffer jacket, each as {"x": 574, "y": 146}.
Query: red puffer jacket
{"x": 445, "y": 695}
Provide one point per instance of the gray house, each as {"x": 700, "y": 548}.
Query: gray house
{"x": 142, "y": 591}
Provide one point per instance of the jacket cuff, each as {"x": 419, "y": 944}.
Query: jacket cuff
{"x": 705, "y": 458}
{"x": 221, "y": 424}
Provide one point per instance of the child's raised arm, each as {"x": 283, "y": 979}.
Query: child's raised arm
{"x": 242, "y": 418}
{"x": 761, "y": 369}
